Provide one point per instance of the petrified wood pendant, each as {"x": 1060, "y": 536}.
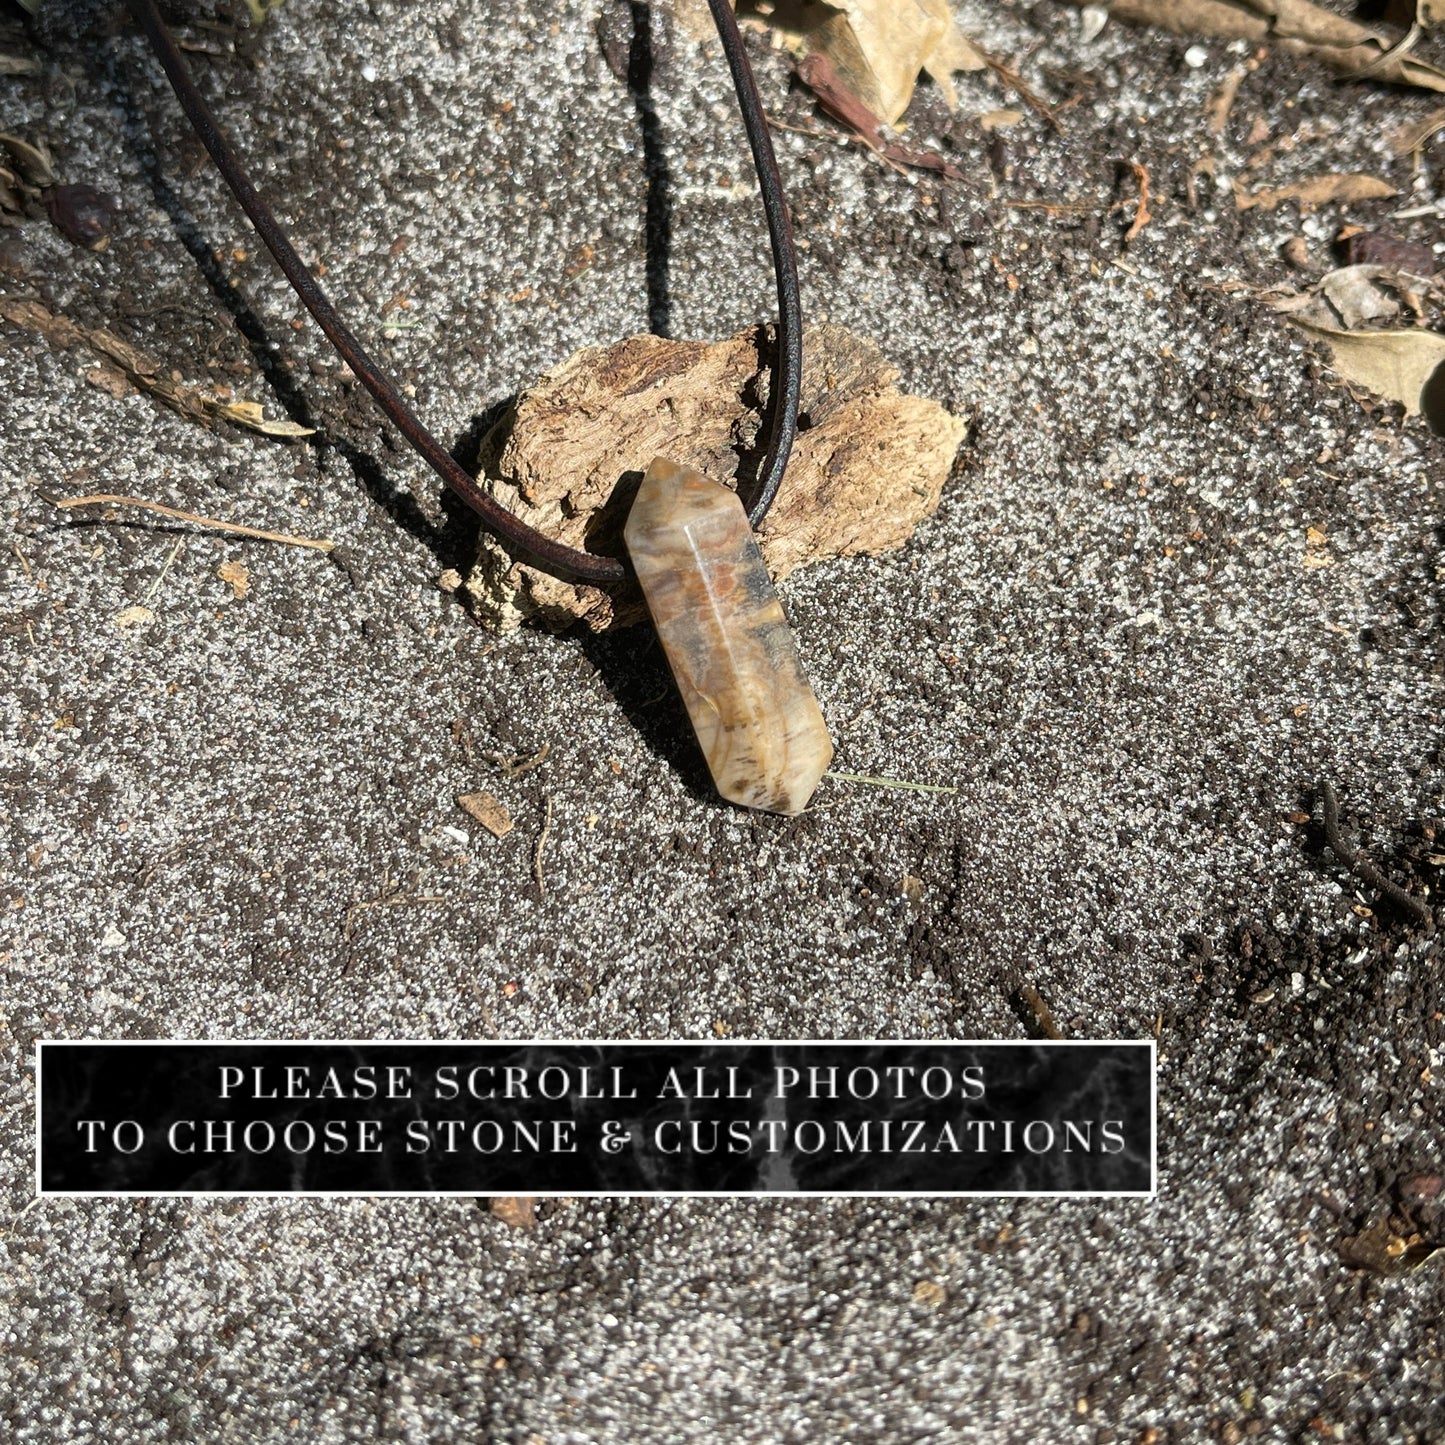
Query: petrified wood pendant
{"x": 727, "y": 640}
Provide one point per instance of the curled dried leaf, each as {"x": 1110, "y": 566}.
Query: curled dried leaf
{"x": 32, "y": 161}
{"x": 878, "y": 48}
{"x": 249, "y": 414}
{"x": 1401, "y": 366}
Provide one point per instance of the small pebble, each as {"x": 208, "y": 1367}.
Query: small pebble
{"x": 1195, "y": 56}
{"x": 82, "y": 214}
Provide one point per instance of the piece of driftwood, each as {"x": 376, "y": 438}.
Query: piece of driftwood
{"x": 868, "y": 466}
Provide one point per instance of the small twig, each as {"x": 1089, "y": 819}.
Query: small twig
{"x": 1141, "y": 211}
{"x": 872, "y": 145}
{"x": 462, "y": 736}
{"x": 1015, "y": 82}
{"x": 888, "y": 782}
{"x": 156, "y": 585}
{"x": 541, "y": 844}
{"x": 22, "y": 1212}
{"x": 1360, "y": 866}
{"x": 516, "y": 766}
{"x": 847, "y": 138}
{"x": 147, "y": 871}
{"x": 1052, "y": 207}
{"x": 110, "y": 499}
{"x": 1041, "y": 1012}
{"x": 29, "y": 575}
{"x": 395, "y": 901}
{"x": 818, "y": 73}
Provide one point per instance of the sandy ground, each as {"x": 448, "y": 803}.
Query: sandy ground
{"x": 1117, "y": 640}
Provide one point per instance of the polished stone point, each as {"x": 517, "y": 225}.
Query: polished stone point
{"x": 727, "y": 640}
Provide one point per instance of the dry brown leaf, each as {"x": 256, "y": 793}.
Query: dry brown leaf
{"x": 237, "y": 575}
{"x": 1345, "y": 46}
{"x": 996, "y": 120}
{"x": 1413, "y": 137}
{"x": 1316, "y": 191}
{"x": 956, "y": 54}
{"x": 1352, "y": 292}
{"x": 1397, "y": 365}
{"x": 249, "y": 414}
{"x": 869, "y": 465}
{"x": 877, "y": 47}
{"x": 487, "y": 811}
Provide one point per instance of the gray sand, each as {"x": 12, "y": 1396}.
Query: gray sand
{"x": 1113, "y": 640}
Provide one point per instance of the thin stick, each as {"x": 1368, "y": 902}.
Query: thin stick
{"x": 156, "y": 585}
{"x": 1141, "y": 211}
{"x": 1043, "y": 1015}
{"x": 1052, "y": 206}
{"x": 514, "y": 767}
{"x": 542, "y": 843}
{"x": 1015, "y": 82}
{"x": 888, "y": 782}
{"x": 1360, "y": 866}
{"x": 109, "y": 499}
{"x": 349, "y": 924}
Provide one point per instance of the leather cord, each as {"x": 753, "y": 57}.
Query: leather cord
{"x": 534, "y": 545}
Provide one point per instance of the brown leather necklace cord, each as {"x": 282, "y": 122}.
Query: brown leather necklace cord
{"x": 553, "y": 556}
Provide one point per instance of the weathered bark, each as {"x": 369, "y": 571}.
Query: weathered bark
{"x": 869, "y": 463}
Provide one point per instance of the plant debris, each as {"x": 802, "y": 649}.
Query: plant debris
{"x": 33, "y": 163}
{"x": 1412, "y": 137}
{"x": 1379, "y": 248}
{"x": 1381, "y": 1249}
{"x": 1315, "y": 191}
{"x": 1401, "y": 366}
{"x": 1041, "y": 1014}
{"x": 877, "y": 48}
{"x": 123, "y": 367}
{"x": 1141, "y": 209}
{"x": 237, "y": 576}
{"x": 488, "y": 811}
{"x": 1361, "y": 866}
{"x": 869, "y": 463}
{"x": 1348, "y": 48}
{"x": 112, "y": 499}
{"x": 817, "y": 72}
{"x": 517, "y": 1211}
